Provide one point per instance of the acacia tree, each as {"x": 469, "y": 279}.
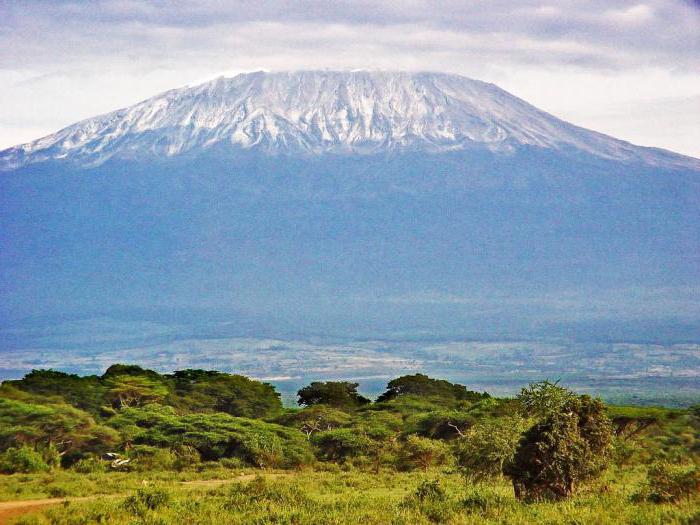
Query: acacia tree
{"x": 339, "y": 394}
{"x": 568, "y": 447}
{"x": 486, "y": 448}
{"x": 130, "y": 391}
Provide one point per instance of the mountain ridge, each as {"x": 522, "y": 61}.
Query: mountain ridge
{"x": 320, "y": 112}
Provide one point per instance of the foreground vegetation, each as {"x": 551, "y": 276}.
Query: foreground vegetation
{"x": 426, "y": 451}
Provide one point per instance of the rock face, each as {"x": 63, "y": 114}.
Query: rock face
{"x": 348, "y": 200}
{"x": 311, "y": 113}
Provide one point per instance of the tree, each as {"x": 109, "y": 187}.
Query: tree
{"x": 85, "y": 393}
{"x": 314, "y": 419}
{"x": 214, "y": 436}
{"x": 422, "y": 385}
{"x": 129, "y": 391}
{"x": 210, "y": 391}
{"x": 568, "y": 447}
{"x": 417, "y": 451}
{"x": 487, "y": 447}
{"x": 341, "y": 443}
{"x": 338, "y": 394}
{"x": 443, "y": 424}
{"x": 544, "y": 398}
{"x": 69, "y": 430}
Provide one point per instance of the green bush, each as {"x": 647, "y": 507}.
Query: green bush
{"x": 23, "y": 460}
{"x": 667, "y": 482}
{"x": 567, "y": 448}
{"x": 342, "y": 443}
{"x": 186, "y": 456}
{"x": 441, "y": 424}
{"x": 420, "y": 452}
{"x": 431, "y": 500}
{"x": 430, "y": 489}
{"x": 149, "y": 458}
{"x": 145, "y": 499}
{"x": 424, "y": 386}
{"x": 89, "y": 465}
{"x": 215, "y": 436}
{"x": 259, "y": 489}
{"x": 486, "y": 448}
{"x": 262, "y": 450}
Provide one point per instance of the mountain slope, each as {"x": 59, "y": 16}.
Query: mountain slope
{"x": 322, "y": 112}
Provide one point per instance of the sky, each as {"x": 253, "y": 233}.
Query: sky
{"x": 627, "y": 68}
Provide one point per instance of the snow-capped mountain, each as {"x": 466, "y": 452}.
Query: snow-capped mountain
{"x": 317, "y": 112}
{"x": 401, "y": 201}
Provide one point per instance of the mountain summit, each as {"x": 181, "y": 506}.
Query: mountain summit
{"x": 319, "y": 112}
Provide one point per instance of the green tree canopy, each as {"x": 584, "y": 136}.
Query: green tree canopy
{"x": 338, "y": 394}
{"x": 568, "y": 447}
{"x": 422, "y": 385}
{"x": 209, "y": 391}
{"x": 69, "y": 429}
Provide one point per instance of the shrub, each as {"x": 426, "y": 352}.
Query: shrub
{"x": 430, "y": 499}
{"x": 669, "y": 483}
{"x": 341, "y": 443}
{"x": 486, "y": 448}
{"x": 314, "y": 419}
{"x": 260, "y": 489}
{"x": 186, "y": 456}
{"x": 442, "y": 424}
{"x": 89, "y": 465}
{"x": 430, "y": 489}
{"x": 417, "y": 451}
{"x": 215, "y": 436}
{"x": 23, "y": 460}
{"x": 148, "y": 458}
{"x": 262, "y": 450}
{"x": 146, "y": 498}
{"x": 569, "y": 447}
{"x": 544, "y": 398}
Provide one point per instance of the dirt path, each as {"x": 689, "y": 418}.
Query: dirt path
{"x": 13, "y": 509}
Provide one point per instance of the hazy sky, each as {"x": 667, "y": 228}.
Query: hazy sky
{"x": 627, "y": 68}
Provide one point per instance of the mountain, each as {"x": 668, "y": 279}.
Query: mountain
{"x": 350, "y": 201}
{"x": 312, "y": 113}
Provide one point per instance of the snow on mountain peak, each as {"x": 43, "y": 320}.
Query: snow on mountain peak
{"x": 315, "y": 112}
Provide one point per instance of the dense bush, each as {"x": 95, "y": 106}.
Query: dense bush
{"x": 58, "y": 425}
{"x": 314, "y": 419}
{"x": 544, "y": 398}
{"x": 124, "y": 386}
{"x": 488, "y": 447}
{"x": 421, "y": 452}
{"x": 342, "y": 443}
{"x": 22, "y": 460}
{"x": 568, "y": 447}
{"x": 441, "y": 424}
{"x": 146, "y": 499}
{"x": 667, "y": 482}
{"x": 89, "y": 465}
{"x": 210, "y": 391}
{"x": 215, "y": 436}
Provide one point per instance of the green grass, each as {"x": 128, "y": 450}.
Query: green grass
{"x": 340, "y": 497}
{"x": 65, "y": 483}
